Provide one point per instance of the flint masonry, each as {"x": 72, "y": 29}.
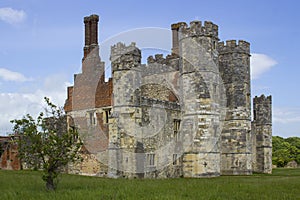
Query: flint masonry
{"x": 184, "y": 115}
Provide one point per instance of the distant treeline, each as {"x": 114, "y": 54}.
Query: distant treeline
{"x": 285, "y": 150}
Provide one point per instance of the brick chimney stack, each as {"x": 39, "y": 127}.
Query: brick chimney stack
{"x": 91, "y": 34}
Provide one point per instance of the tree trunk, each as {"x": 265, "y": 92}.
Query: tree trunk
{"x": 50, "y": 183}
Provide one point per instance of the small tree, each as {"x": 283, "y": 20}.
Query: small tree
{"x": 46, "y": 143}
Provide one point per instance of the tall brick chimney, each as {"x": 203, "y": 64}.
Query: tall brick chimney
{"x": 175, "y": 42}
{"x": 90, "y": 34}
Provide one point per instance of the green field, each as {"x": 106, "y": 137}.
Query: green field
{"x": 282, "y": 184}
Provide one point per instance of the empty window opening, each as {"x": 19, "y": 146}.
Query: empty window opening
{"x": 107, "y": 113}
{"x": 92, "y": 118}
{"x": 151, "y": 159}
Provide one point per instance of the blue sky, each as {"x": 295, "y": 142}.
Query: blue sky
{"x": 41, "y": 46}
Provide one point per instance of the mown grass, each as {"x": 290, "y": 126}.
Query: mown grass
{"x": 282, "y": 184}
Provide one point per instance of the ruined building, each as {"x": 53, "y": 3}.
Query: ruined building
{"x": 8, "y": 153}
{"x": 184, "y": 115}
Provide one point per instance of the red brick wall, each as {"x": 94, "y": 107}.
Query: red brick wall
{"x": 104, "y": 94}
{"x": 68, "y": 103}
{"x": 9, "y": 158}
{"x": 89, "y": 96}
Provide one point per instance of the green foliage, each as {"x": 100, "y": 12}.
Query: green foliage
{"x": 282, "y": 184}
{"x": 285, "y": 150}
{"x": 46, "y": 143}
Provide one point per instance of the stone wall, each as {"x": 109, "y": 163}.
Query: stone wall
{"x": 90, "y": 165}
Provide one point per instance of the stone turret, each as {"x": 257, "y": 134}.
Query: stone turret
{"x": 127, "y": 76}
{"x": 200, "y": 99}
{"x": 262, "y": 134}
{"x": 234, "y": 65}
{"x": 125, "y": 57}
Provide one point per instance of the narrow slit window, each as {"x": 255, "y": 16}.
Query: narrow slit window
{"x": 175, "y": 159}
{"x": 176, "y": 129}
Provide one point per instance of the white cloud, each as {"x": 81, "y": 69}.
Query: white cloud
{"x": 8, "y": 75}
{"x": 286, "y": 115}
{"x": 286, "y": 121}
{"x": 16, "y": 105}
{"x": 12, "y": 16}
{"x": 260, "y": 63}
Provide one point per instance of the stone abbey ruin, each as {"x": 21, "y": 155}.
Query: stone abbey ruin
{"x": 184, "y": 115}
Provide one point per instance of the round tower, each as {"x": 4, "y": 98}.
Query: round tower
{"x": 234, "y": 65}
{"x": 200, "y": 95}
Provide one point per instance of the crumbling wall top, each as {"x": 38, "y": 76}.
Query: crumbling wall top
{"x": 262, "y": 99}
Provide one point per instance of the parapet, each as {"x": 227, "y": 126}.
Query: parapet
{"x": 262, "y": 99}
{"x": 158, "y": 58}
{"x": 171, "y": 60}
{"x": 196, "y": 29}
{"x": 232, "y": 46}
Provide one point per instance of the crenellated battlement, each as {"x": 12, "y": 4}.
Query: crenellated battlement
{"x": 170, "y": 60}
{"x": 232, "y": 46}
{"x": 120, "y": 49}
{"x": 196, "y": 28}
{"x": 262, "y": 99}
{"x": 158, "y": 58}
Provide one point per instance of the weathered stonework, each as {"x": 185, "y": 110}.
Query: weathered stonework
{"x": 184, "y": 115}
{"x": 262, "y": 134}
{"x": 234, "y": 63}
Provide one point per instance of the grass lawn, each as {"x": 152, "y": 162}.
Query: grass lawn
{"x": 282, "y": 184}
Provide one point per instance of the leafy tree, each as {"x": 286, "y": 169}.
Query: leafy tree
{"x": 294, "y": 141}
{"x": 285, "y": 150}
{"x": 46, "y": 143}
